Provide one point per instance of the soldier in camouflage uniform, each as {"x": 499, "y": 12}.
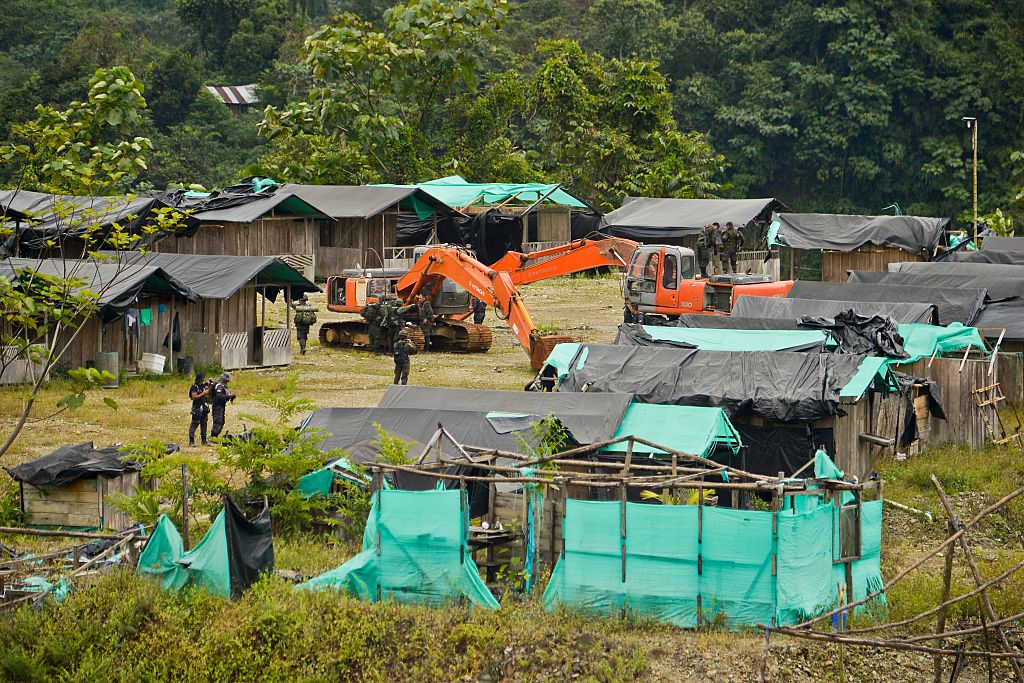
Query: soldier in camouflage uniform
{"x": 426, "y": 314}
{"x": 372, "y": 313}
{"x": 305, "y": 316}
{"x": 401, "y": 351}
{"x": 732, "y": 242}
{"x": 391, "y": 321}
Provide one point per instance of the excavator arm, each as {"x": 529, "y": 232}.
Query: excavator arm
{"x": 573, "y": 257}
{"x": 491, "y": 286}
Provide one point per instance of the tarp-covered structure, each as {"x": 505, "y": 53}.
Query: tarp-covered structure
{"x": 781, "y": 309}
{"x": 217, "y": 276}
{"x": 415, "y": 551}
{"x": 953, "y": 304}
{"x": 37, "y": 218}
{"x": 231, "y": 557}
{"x": 689, "y": 429}
{"x": 71, "y": 463}
{"x": 655, "y": 220}
{"x": 116, "y": 286}
{"x": 367, "y": 201}
{"x": 630, "y": 334}
{"x": 241, "y": 203}
{"x": 778, "y": 386}
{"x": 718, "y": 565}
{"x": 1004, "y": 284}
{"x": 841, "y": 232}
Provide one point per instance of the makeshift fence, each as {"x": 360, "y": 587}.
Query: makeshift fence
{"x": 697, "y": 553}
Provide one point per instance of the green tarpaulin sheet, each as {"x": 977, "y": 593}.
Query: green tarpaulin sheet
{"x": 689, "y": 429}
{"x": 455, "y": 191}
{"x": 736, "y": 340}
{"x": 318, "y": 482}
{"x": 205, "y": 565}
{"x": 734, "y": 583}
{"x": 415, "y": 550}
{"x": 924, "y": 341}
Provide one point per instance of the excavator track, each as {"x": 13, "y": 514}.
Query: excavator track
{"x": 451, "y": 335}
{"x": 350, "y": 334}
{"x": 459, "y": 336}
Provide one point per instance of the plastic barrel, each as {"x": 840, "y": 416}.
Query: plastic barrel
{"x": 185, "y": 365}
{"x": 107, "y": 361}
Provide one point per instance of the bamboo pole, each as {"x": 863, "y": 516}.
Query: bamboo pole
{"x": 888, "y": 644}
{"x": 54, "y": 532}
{"x": 940, "y": 622}
{"x": 954, "y": 523}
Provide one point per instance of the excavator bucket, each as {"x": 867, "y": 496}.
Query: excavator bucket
{"x": 542, "y": 346}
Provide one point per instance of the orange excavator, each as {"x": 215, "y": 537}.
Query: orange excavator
{"x": 495, "y": 288}
{"x": 350, "y": 291}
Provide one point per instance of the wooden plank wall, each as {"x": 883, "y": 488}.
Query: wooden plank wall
{"x": 553, "y": 225}
{"x": 268, "y": 236}
{"x": 836, "y": 265}
{"x": 510, "y": 510}
{"x": 963, "y": 424}
{"x": 77, "y": 504}
{"x": 125, "y": 484}
{"x": 1010, "y": 371}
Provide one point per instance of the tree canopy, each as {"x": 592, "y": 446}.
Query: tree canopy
{"x": 848, "y": 106}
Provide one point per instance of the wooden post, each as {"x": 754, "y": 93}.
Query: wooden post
{"x": 969, "y": 555}
{"x": 184, "y": 507}
{"x": 940, "y": 623}
{"x": 288, "y": 310}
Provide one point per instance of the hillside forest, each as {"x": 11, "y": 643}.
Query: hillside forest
{"x": 854, "y": 106}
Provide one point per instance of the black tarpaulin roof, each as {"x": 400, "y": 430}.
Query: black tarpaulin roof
{"x": 590, "y": 419}
{"x": 71, "y": 463}
{"x": 996, "y": 243}
{"x": 353, "y": 429}
{"x": 117, "y": 286}
{"x": 779, "y": 386}
{"x": 214, "y": 276}
{"x": 769, "y": 307}
{"x": 56, "y": 217}
{"x": 362, "y": 201}
{"x": 651, "y": 218}
{"x": 997, "y": 284}
{"x": 1009, "y": 258}
{"x": 841, "y": 232}
{"x": 1008, "y": 315}
{"x": 955, "y": 305}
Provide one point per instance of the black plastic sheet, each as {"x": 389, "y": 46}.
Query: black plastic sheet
{"x": 733, "y": 322}
{"x": 778, "y": 386}
{"x": 998, "y": 284}
{"x": 250, "y": 546}
{"x": 841, "y": 232}
{"x": 770, "y": 450}
{"x": 954, "y": 304}
{"x": 71, "y": 463}
{"x": 868, "y": 335}
{"x": 653, "y": 219}
{"x": 770, "y": 307}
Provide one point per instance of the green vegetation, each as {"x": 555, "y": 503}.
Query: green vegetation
{"x": 835, "y": 106}
{"x": 275, "y": 633}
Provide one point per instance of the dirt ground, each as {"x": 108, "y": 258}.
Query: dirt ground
{"x": 588, "y": 309}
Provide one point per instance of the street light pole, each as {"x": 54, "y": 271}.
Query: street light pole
{"x": 972, "y": 125}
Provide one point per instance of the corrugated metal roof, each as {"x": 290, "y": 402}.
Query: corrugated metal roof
{"x": 235, "y": 94}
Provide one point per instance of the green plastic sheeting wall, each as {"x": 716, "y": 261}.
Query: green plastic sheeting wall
{"x": 735, "y": 585}
{"x": 415, "y": 550}
{"x": 205, "y": 565}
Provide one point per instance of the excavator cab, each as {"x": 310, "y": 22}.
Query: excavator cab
{"x": 661, "y": 281}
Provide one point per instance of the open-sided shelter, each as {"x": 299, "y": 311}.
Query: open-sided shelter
{"x": 226, "y": 324}
{"x": 848, "y": 242}
{"x": 656, "y": 220}
{"x": 121, "y": 291}
{"x": 497, "y": 217}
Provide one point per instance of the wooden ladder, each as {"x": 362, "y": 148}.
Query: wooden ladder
{"x": 987, "y": 399}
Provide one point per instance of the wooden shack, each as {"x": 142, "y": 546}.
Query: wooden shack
{"x": 227, "y": 323}
{"x": 361, "y": 223}
{"x": 277, "y": 225}
{"x": 847, "y": 243}
{"x": 73, "y": 485}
